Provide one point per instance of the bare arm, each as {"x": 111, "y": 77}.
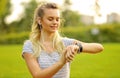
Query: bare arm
{"x": 86, "y": 48}
{"x": 37, "y": 72}
{"x": 90, "y": 47}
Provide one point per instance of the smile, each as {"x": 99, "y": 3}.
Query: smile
{"x": 54, "y": 27}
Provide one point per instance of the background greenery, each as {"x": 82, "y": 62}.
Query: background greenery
{"x": 93, "y": 33}
{"x": 101, "y": 65}
{"x": 18, "y": 31}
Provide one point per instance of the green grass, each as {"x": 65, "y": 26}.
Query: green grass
{"x": 12, "y": 65}
{"x": 102, "y": 65}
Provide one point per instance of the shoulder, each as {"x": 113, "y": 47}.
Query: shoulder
{"x": 27, "y": 47}
{"x": 68, "y": 41}
{"x": 27, "y": 42}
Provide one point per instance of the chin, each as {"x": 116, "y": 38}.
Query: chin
{"x": 53, "y": 31}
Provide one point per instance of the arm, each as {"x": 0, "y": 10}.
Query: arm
{"x": 72, "y": 50}
{"x": 90, "y": 47}
{"x": 35, "y": 69}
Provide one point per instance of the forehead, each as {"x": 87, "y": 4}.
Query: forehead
{"x": 51, "y": 13}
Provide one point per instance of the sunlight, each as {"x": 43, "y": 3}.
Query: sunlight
{"x": 85, "y": 7}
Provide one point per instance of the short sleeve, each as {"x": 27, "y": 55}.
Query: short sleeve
{"x": 68, "y": 41}
{"x": 27, "y": 47}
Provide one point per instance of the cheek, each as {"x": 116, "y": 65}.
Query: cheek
{"x": 45, "y": 23}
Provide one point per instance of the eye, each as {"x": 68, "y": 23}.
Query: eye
{"x": 57, "y": 19}
{"x": 50, "y": 19}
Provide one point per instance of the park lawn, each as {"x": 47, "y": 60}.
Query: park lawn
{"x": 102, "y": 65}
{"x": 12, "y": 64}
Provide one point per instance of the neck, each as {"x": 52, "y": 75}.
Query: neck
{"x": 46, "y": 36}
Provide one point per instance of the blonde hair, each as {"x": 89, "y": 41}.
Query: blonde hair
{"x": 35, "y": 34}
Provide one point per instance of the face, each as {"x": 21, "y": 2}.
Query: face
{"x": 51, "y": 20}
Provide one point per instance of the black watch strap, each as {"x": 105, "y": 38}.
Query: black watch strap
{"x": 80, "y": 47}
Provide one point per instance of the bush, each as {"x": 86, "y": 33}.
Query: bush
{"x": 95, "y": 33}
{"x": 14, "y": 38}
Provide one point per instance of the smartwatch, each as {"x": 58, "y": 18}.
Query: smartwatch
{"x": 80, "y": 47}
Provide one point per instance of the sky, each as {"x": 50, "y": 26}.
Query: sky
{"x": 85, "y": 7}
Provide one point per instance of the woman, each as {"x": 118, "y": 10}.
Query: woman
{"x": 46, "y": 53}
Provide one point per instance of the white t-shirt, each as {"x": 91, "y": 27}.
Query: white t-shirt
{"x": 45, "y": 60}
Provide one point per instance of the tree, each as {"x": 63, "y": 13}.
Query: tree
{"x": 67, "y": 4}
{"x": 26, "y": 21}
{"x": 71, "y": 18}
{"x": 4, "y": 11}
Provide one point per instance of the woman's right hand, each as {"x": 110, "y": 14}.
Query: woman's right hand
{"x": 69, "y": 53}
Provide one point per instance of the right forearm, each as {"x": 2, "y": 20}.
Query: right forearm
{"x": 50, "y": 71}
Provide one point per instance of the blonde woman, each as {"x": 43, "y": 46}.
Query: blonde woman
{"x": 46, "y": 53}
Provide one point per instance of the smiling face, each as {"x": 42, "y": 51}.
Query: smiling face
{"x": 50, "y": 20}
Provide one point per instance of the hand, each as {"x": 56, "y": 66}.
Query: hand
{"x": 71, "y": 51}
{"x": 68, "y": 54}
{"x": 63, "y": 57}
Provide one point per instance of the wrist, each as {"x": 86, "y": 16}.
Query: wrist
{"x": 80, "y": 47}
{"x": 61, "y": 63}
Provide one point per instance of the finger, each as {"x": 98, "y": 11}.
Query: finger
{"x": 70, "y": 56}
{"x": 69, "y": 59}
{"x": 68, "y": 49}
{"x": 68, "y": 53}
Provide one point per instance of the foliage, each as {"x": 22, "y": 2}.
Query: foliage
{"x": 4, "y": 11}
{"x": 101, "y": 33}
{"x": 14, "y": 38}
{"x": 25, "y": 23}
{"x": 71, "y": 18}
{"x": 4, "y": 7}
{"x": 18, "y": 31}
{"x": 108, "y": 33}
{"x": 95, "y": 33}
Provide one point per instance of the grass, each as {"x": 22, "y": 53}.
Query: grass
{"x": 101, "y": 65}
{"x": 12, "y": 64}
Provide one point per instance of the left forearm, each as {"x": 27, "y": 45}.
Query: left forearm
{"x": 92, "y": 47}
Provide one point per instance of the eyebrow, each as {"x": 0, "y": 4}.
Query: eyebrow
{"x": 52, "y": 17}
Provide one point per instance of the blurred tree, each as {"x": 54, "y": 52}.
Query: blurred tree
{"x": 4, "y": 11}
{"x": 71, "y": 18}
{"x": 67, "y": 4}
{"x": 25, "y": 23}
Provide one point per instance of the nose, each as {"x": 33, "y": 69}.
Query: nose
{"x": 55, "y": 22}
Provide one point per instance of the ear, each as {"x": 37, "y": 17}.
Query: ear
{"x": 38, "y": 20}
